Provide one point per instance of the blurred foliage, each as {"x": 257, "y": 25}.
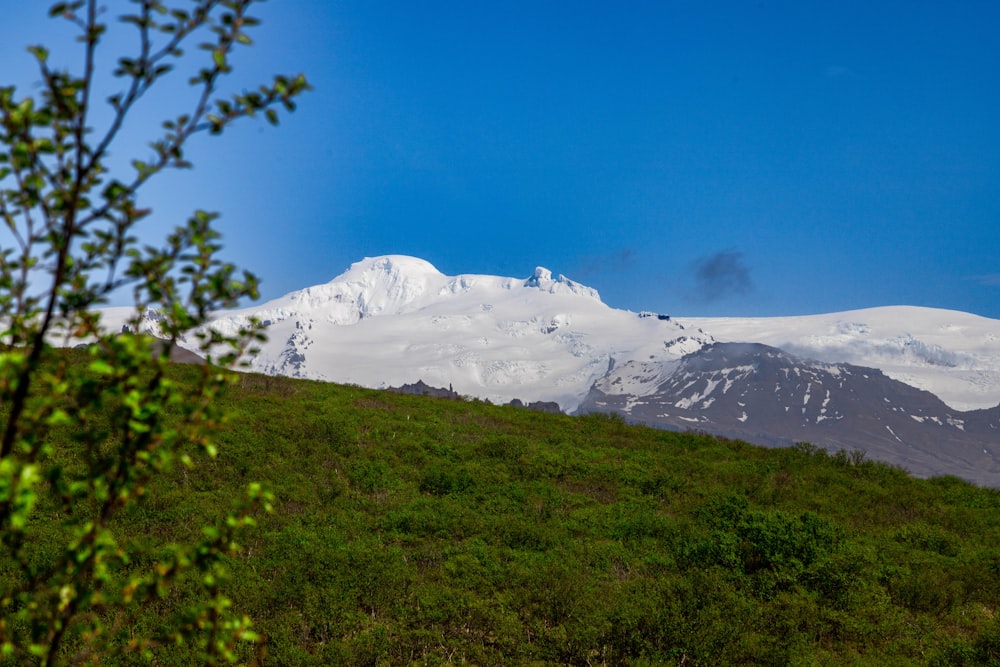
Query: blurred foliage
{"x": 82, "y": 444}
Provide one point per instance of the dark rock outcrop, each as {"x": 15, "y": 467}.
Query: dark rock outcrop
{"x": 420, "y": 388}
{"x": 766, "y": 396}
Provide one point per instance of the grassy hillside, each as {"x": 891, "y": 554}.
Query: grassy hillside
{"x": 411, "y": 530}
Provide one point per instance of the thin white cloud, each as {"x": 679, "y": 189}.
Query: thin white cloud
{"x": 989, "y": 279}
{"x": 838, "y": 70}
{"x": 619, "y": 260}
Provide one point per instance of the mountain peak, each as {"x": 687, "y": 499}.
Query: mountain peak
{"x": 541, "y": 275}
{"x": 392, "y": 265}
{"x": 542, "y": 279}
{"x": 386, "y": 284}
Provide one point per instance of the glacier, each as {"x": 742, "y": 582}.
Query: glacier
{"x": 392, "y": 320}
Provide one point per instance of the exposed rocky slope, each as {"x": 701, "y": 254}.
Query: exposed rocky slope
{"x": 763, "y": 395}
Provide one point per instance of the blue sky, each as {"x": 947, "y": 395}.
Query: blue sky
{"x": 697, "y": 158}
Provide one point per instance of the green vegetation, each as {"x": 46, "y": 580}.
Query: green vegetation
{"x": 404, "y": 529}
{"x": 413, "y": 530}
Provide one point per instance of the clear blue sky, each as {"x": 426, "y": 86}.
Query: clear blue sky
{"x": 699, "y": 158}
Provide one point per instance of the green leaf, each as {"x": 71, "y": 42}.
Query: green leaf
{"x": 40, "y": 52}
{"x": 101, "y": 367}
{"x": 64, "y": 8}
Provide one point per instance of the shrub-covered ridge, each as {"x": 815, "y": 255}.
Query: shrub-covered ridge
{"x": 413, "y": 530}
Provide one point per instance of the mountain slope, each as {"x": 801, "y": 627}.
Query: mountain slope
{"x": 394, "y": 320}
{"x": 764, "y": 395}
{"x": 955, "y": 355}
{"x": 468, "y": 533}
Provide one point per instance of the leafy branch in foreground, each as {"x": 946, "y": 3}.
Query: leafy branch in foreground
{"x": 69, "y": 240}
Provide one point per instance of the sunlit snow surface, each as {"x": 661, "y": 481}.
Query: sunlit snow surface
{"x": 952, "y": 354}
{"x": 394, "y": 319}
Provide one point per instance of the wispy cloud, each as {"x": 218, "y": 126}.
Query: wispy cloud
{"x": 988, "y": 279}
{"x": 834, "y": 71}
{"x": 617, "y": 260}
{"x": 722, "y": 275}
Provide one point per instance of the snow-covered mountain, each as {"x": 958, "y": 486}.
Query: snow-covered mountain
{"x": 868, "y": 379}
{"x": 393, "y": 320}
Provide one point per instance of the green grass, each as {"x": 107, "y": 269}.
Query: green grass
{"x": 412, "y": 530}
